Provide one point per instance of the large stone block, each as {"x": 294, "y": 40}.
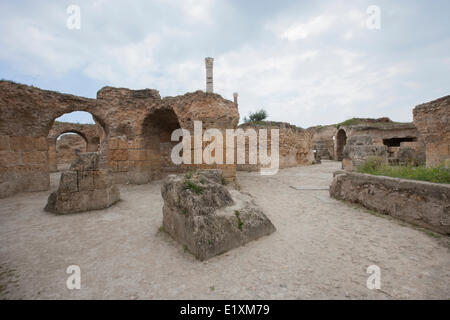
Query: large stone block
{"x": 86, "y": 180}
{"x": 68, "y": 181}
{"x": 34, "y": 157}
{"x": 422, "y": 203}
{"x": 206, "y": 217}
{"x": 84, "y": 188}
{"x": 86, "y": 161}
{"x": 4, "y": 143}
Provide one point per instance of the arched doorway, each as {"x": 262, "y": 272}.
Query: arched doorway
{"x": 71, "y": 133}
{"x": 68, "y": 145}
{"x": 341, "y": 141}
{"x": 157, "y": 130}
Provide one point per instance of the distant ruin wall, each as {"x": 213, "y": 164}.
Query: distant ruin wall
{"x": 422, "y": 203}
{"x": 395, "y": 143}
{"x": 295, "y": 145}
{"x": 432, "y": 120}
{"x": 324, "y": 142}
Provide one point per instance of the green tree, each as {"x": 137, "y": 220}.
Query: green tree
{"x": 256, "y": 116}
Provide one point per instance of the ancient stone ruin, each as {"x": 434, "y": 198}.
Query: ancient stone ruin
{"x": 137, "y": 126}
{"x": 422, "y": 203}
{"x": 84, "y": 187}
{"x": 206, "y": 217}
{"x": 432, "y": 120}
{"x": 66, "y": 139}
{"x": 355, "y": 142}
{"x": 395, "y": 143}
{"x": 295, "y": 145}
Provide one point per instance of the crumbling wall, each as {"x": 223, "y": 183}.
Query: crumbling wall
{"x": 295, "y": 145}
{"x": 432, "y": 120}
{"x": 323, "y": 138}
{"x": 67, "y": 148}
{"x": 422, "y": 203}
{"x": 395, "y": 143}
{"x": 27, "y": 115}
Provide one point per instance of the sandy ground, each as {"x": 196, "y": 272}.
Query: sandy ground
{"x": 321, "y": 249}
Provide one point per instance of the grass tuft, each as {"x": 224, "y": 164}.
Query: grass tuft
{"x": 375, "y": 166}
{"x": 192, "y": 186}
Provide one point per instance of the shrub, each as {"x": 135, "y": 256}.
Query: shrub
{"x": 256, "y": 116}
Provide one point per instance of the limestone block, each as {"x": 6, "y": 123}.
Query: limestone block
{"x": 86, "y": 161}
{"x": 206, "y": 217}
{"x": 68, "y": 182}
{"x": 86, "y": 180}
{"x": 87, "y": 188}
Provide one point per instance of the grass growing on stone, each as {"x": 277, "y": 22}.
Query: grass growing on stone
{"x": 192, "y": 186}
{"x": 224, "y": 181}
{"x": 375, "y": 166}
{"x": 240, "y": 223}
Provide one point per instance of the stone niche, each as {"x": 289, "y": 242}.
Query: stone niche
{"x": 84, "y": 187}
{"x": 206, "y": 217}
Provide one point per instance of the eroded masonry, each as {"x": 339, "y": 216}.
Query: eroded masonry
{"x": 132, "y": 132}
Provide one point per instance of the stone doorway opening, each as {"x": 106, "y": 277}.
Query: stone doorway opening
{"x": 341, "y": 141}
{"x": 68, "y": 145}
{"x": 157, "y": 131}
{"x": 70, "y": 134}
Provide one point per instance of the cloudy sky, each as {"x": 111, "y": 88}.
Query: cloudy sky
{"x": 305, "y": 62}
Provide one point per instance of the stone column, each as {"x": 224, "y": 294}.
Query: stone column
{"x": 235, "y": 97}
{"x": 209, "y": 74}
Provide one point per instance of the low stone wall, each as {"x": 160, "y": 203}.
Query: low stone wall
{"x": 421, "y": 203}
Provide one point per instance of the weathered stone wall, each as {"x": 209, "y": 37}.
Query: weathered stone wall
{"x": 67, "y": 148}
{"x": 421, "y": 203}
{"x": 295, "y": 145}
{"x": 324, "y": 142}
{"x": 27, "y": 115}
{"x": 382, "y": 140}
{"x": 432, "y": 120}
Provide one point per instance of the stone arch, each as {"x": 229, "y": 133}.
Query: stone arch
{"x": 91, "y": 133}
{"x": 157, "y": 129}
{"x": 67, "y": 146}
{"x": 341, "y": 141}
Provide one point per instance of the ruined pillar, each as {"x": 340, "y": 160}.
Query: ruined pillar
{"x": 209, "y": 74}
{"x": 235, "y": 97}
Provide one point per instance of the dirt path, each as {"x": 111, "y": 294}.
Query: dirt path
{"x": 321, "y": 249}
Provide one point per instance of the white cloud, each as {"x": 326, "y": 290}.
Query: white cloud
{"x": 313, "y": 27}
{"x": 314, "y": 66}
